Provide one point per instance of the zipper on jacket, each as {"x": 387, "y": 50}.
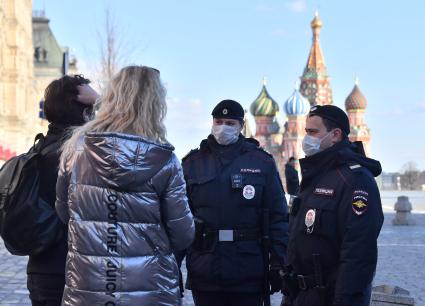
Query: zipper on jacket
{"x": 150, "y": 242}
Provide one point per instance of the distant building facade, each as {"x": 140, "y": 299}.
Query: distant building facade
{"x": 30, "y": 58}
{"x": 17, "y": 112}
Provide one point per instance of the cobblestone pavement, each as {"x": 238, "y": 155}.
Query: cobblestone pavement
{"x": 402, "y": 257}
{"x": 401, "y": 262}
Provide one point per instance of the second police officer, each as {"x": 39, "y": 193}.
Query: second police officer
{"x": 335, "y": 222}
{"x": 237, "y": 198}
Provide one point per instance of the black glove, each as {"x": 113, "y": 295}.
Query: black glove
{"x": 289, "y": 284}
{"x": 275, "y": 278}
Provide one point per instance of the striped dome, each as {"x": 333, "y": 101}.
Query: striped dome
{"x": 355, "y": 100}
{"x": 264, "y": 105}
{"x": 296, "y": 105}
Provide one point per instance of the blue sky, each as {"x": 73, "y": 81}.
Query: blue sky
{"x": 211, "y": 50}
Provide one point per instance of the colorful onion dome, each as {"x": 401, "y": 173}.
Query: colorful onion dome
{"x": 296, "y": 104}
{"x": 355, "y": 100}
{"x": 264, "y": 105}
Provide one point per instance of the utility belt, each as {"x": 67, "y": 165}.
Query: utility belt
{"x": 319, "y": 280}
{"x": 206, "y": 238}
{"x": 233, "y": 235}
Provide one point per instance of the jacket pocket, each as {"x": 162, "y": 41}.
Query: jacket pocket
{"x": 200, "y": 265}
{"x": 200, "y": 191}
{"x": 251, "y": 263}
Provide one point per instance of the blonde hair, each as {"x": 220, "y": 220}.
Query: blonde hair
{"x": 133, "y": 103}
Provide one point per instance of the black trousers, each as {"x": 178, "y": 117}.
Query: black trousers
{"x": 214, "y": 298}
{"x": 45, "y": 289}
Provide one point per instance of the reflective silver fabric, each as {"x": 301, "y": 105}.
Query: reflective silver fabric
{"x": 124, "y": 199}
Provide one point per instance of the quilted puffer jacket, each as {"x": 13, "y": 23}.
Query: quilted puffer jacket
{"x": 124, "y": 199}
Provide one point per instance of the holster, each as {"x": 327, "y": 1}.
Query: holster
{"x": 203, "y": 242}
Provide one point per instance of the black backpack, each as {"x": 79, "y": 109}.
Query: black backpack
{"x": 28, "y": 224}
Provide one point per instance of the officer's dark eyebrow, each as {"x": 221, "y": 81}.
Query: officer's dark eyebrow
{"x": 311, "y": 130}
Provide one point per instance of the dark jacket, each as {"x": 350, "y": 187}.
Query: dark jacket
{"x": 124, "y": 200}
{"x": 52, "y": 261}
{"x": 219, "y": 179}
{"x": 292, "y": 181}
{"x": 339, "y": 217}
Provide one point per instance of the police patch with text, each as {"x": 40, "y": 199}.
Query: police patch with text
{"x": 360, "y": 201}
{"x": 324, "y": 191}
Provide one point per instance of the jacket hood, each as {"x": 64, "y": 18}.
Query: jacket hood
{"x": 344, "y": 152}
{"x": 123, "y": 160}
{"x": 354, "y": 152}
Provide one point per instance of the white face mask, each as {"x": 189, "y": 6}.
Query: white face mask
{"x": 311, "y": 145}
{"x": 225, "y": 134}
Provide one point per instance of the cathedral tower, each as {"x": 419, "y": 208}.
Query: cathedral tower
{"x": 296, "y": 108}
{"x": 355, "y": 104}
{"x": 268, "y": 131}
{"x": 315, "y": 84}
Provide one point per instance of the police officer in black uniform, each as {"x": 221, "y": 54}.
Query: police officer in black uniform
{"x": 335, "y": 222}
{"x": 237, "y": 198}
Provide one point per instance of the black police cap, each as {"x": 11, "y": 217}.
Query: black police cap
{"x": 332, "y": 113}
{"x": 228, "y": 109}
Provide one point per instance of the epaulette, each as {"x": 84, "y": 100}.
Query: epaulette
{"x": 265, "y": 151}
{"x": 354, "y": 166}
{"x": 254, "y": 143}
{"x": 193, "y": 151}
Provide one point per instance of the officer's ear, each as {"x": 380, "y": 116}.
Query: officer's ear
{"x": 242, "y": 123}
{"x": 337, "y": 135}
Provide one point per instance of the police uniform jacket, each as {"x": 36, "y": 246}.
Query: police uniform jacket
{"x": 124, "y": 200}
{"x": 339, "y": 217}
{"x": 227, "y": 188}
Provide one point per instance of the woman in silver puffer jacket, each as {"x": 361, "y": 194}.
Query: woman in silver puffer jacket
{"x": 121, "y": 191}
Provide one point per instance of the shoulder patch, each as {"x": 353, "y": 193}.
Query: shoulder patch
{"x": 359, "y": 202}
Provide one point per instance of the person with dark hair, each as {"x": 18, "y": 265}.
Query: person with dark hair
{"x": 67, "y": 100}
{"x": 237, "y": 198}
{"x": 336, "y": 218}
{"x": 291, "y": 176}
{"x": 61, "y": 105}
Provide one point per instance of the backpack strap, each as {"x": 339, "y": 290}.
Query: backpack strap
{"x": 42, "y": 146}
{"x": 38, "y": 143}
{"x": 50, "y": 147}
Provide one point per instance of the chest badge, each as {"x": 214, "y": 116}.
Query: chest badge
{"x": 310, "y": 218}
{"x": 248, "y": 192}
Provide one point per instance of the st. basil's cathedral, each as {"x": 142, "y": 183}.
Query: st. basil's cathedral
{"x": 285, "y": 141}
